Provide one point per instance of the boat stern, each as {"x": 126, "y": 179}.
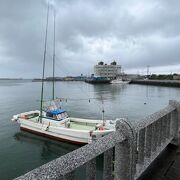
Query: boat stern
{"x": 26, "y": 115}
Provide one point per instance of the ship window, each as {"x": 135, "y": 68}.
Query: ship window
{"x": 66, "y": 115}
{"x": 49, "y": 115}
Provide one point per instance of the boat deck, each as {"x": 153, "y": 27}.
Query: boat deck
{"x": 75, "y": 125}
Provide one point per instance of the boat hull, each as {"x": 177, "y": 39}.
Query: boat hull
{"x": 119, "y": 82}
{"x": 98, "y": 81}
{"x": 50, "y": 136}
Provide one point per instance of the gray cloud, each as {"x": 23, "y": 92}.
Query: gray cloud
{"x": 135, "y": 33}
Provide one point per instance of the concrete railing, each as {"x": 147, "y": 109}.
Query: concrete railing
{"x": 132, "y": 148}
{"x": 154, "y": 133}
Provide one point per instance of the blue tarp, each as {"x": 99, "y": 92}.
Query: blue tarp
{"x": 56, "y": 112}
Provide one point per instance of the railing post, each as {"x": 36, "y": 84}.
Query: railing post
{"x": 134, "y": 153}
{"x": 175, "y": 122}
{"x": 154, "y": 137}
{"x": 163, "y": 129}
{"x": 91, "y": 170}
{"x": 178, "y": 122}
{"x": 123, "y": 157}
{"x": 159, "y": 130}
{"x": 169, "y": 125}
{"x": 69, "y": 176}
{"x": 141, "y": 143}
{"x": 148, "y": 141}
{"x": 108, "y": 165}
{"x": 91, "y": 166}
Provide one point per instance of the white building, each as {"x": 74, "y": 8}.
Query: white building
{"x": 105, "y": 70}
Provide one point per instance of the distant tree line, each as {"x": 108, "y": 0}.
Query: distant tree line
{"x": 162, "y": 76}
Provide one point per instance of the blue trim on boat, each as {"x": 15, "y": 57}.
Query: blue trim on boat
{"x": 56, "y": 111}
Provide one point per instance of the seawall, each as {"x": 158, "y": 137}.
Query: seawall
{"x": 170, "y": 83}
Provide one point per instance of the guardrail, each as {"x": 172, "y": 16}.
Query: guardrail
{"x": 132, "y": 148}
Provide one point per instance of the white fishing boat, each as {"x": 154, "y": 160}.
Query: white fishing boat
{"x": 119, "y": 81}
{"x": 56, "y": 124}
{"x": 53, "y": 122}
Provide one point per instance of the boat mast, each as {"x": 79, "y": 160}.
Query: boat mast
{"x": 44, "y": 63}
{"x": 54, "y": 53}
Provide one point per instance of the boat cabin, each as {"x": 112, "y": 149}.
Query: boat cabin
{"x": 57, "y": 114}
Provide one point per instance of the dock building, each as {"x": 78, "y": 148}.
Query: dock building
{"x": 111, "y": 70}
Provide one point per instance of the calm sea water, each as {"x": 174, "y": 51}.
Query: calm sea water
{"x": 21, "y": 151}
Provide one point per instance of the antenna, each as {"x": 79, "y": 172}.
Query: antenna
{"x": 54, "y": 52}
{"x": 44, "y": 63}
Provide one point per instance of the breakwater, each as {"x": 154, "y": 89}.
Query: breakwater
{"x": 168, "y": 83}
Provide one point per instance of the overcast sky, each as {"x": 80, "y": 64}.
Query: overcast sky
{"x": 134, "y": 33}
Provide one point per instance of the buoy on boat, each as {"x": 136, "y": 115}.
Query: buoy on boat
{"x": 101, "y": 128}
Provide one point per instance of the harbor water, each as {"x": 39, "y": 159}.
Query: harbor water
{"x": 21, "y": 152}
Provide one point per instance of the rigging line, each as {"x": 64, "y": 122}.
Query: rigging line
{"x": 72, "y": 99}
{"x": 44, "y": 63}
{"x": 65, "y": 71}
{"x": 76, "y": 99}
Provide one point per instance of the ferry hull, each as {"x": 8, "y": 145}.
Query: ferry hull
{"x": 98, "y": 81}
